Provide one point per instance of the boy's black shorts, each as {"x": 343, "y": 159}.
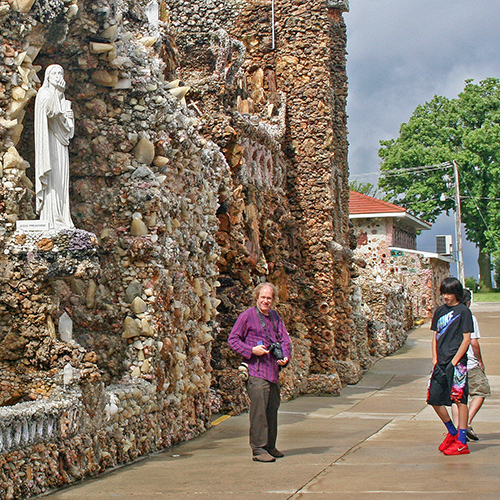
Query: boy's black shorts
{"x": 447, "y": 385}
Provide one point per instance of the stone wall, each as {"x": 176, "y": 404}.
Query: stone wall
{"x": 205, "y": 161}
{"x": 285, "y": 140}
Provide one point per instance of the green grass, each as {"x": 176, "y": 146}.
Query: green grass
{"x": 486, "y": 296}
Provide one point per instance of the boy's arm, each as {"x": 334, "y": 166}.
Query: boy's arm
{"x": 434, "y": 350}
{"x": 477, "y": 351}
{"x": 461, "y": 350}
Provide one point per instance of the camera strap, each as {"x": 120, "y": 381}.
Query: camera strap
{"x": 263, "y": 324}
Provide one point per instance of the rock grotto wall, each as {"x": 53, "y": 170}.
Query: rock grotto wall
{"x": 135, "y": 283}
{"x": 284, "y": 137}
{"x": 110, "y": 343}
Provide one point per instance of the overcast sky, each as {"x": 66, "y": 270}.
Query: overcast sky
{"x": 400, "y": 54}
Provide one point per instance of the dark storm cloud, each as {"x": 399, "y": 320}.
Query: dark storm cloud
{"x": 402, "y": 53}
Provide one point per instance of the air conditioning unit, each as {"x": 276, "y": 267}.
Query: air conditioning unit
{"x": 444, "y": 244}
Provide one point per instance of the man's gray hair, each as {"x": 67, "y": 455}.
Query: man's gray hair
{"x": 259, "y": 288}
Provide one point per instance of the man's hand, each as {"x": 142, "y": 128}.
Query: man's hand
{"x": 282, "y": 362}
{"x": 259, "y": 350}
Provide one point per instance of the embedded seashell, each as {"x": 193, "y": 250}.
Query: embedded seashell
{"x": 68, "y": 374}
{"x": 131, "y": 328}
{"x": 15, "y": 108}
{"x": 205, "y": 338}
{"x": 197, "y": 287}
{"x": 324, "y": 307}
{"x": 72, "y": 10}
{"x": 18, "y": 93}
{"x": 22, "y": 6}
{"x": 100, "y": 48}
{"x": 160, "y": 161}
{"x": 111, "y": 409}
{"x": 148, "y": 41}
{"x": 12, "y": 159}
{"x": 103, "y": 78}
{"x": 145, "y": 368}
{"x": 124, "y": 83}
{"x": 179, "y": 92}
{"x": 110, "y": 33}
{"x": 172, "y": 84}
{"x": 138, "y": 228}
{"x": 138, "y": 306}
{"x": 120, "y": 62}
{"x": 7, "y": 123}
{"x": 146, "y": 328}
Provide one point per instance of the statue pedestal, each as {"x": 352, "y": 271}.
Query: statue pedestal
{"x": 54, "y": 253}
{"x": 27, "y": 226}
{"x": 36, "y": 341}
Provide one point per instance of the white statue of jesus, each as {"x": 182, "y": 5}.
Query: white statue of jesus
{"x": 54, "y": 127}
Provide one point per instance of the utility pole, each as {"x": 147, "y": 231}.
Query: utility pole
{"x": 458, "y": 226}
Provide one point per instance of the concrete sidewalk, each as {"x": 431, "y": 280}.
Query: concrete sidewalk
{"x": 378, "y": 440}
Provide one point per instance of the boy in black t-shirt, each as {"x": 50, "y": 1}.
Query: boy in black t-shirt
{"x": 452, "y": 325}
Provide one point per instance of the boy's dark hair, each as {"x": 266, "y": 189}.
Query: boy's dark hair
{"x": 452, "y": 285}
{"x": 467, "y": 297}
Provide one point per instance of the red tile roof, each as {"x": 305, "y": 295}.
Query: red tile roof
{"x": 363, "y": 204}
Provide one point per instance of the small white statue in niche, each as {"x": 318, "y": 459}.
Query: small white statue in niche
{"x": 54, "y": 127}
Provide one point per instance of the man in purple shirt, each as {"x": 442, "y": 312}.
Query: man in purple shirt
{"x": 252, "y": 335}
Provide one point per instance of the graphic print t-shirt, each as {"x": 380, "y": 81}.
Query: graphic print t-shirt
{"x": 450, "y": 323}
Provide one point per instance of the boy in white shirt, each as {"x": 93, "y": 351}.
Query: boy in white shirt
{"x": 479, "y": 387}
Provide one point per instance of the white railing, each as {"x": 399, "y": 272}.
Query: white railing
{"x": 25, "y": 424}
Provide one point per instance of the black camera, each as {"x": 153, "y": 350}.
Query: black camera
{"x": 276, "y": 351}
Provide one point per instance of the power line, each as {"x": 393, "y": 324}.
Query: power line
{"x": 471, "y": 197}
{"x": 411, "y": 170}
{"x": 365, "y": 174}
{"x": 404, "y": 171}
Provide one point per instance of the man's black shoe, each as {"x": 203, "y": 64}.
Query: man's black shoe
{"x": 263, "y": 457}
{"x": 275, "y": 453}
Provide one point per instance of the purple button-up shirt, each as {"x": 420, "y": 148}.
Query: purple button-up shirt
{"x": 247, "y": 332}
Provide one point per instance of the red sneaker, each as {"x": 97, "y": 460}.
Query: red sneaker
{"x": 457, "y": 448}
{"x": 448, "y": 441}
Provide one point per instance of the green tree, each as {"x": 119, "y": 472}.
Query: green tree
{"x": 467, "y": 130}
{"x": 365, "y": 188}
